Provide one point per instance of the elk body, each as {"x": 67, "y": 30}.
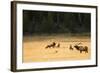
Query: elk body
{"x": 51, "y": 45}
{"x": 81, "y": 48}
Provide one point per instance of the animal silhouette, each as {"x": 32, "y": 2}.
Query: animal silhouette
{"x": 71, "y": 48}
{"x": 51, "y": 45}
{"x": 58, "y": 45}
{"x": 81, "y": 48}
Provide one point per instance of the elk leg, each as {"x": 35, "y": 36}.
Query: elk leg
{"x": 80, "y": 51}
{"x": 86, "y": 51}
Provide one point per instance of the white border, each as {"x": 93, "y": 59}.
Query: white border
{"x": 21, "y": 65}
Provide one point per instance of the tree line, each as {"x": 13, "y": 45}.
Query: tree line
{"x": 48, "y": 22}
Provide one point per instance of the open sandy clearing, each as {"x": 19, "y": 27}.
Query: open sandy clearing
{"x": 34, "y": 48}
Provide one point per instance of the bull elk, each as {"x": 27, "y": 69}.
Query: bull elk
{"x": 81, "y": 48}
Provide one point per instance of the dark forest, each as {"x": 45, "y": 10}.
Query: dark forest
{"x": 48, "y": 22}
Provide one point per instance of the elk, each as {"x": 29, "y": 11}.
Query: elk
{"x": 51, "y": 45}
{"x": 81, "y": 48}
{"x": 71, "y": 48}
{"x": 58, "y": 45}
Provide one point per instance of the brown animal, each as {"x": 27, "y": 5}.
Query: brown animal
{"x": 81, "y": 48}
{"x": 58, "y": 45}
{"x": 51, "y": 45}
{"x": 71, "y": 48}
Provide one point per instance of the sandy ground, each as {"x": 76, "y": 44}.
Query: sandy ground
{"x": 34, "y": 48}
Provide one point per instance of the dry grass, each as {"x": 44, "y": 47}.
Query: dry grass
{"x": 34, "y": 48}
